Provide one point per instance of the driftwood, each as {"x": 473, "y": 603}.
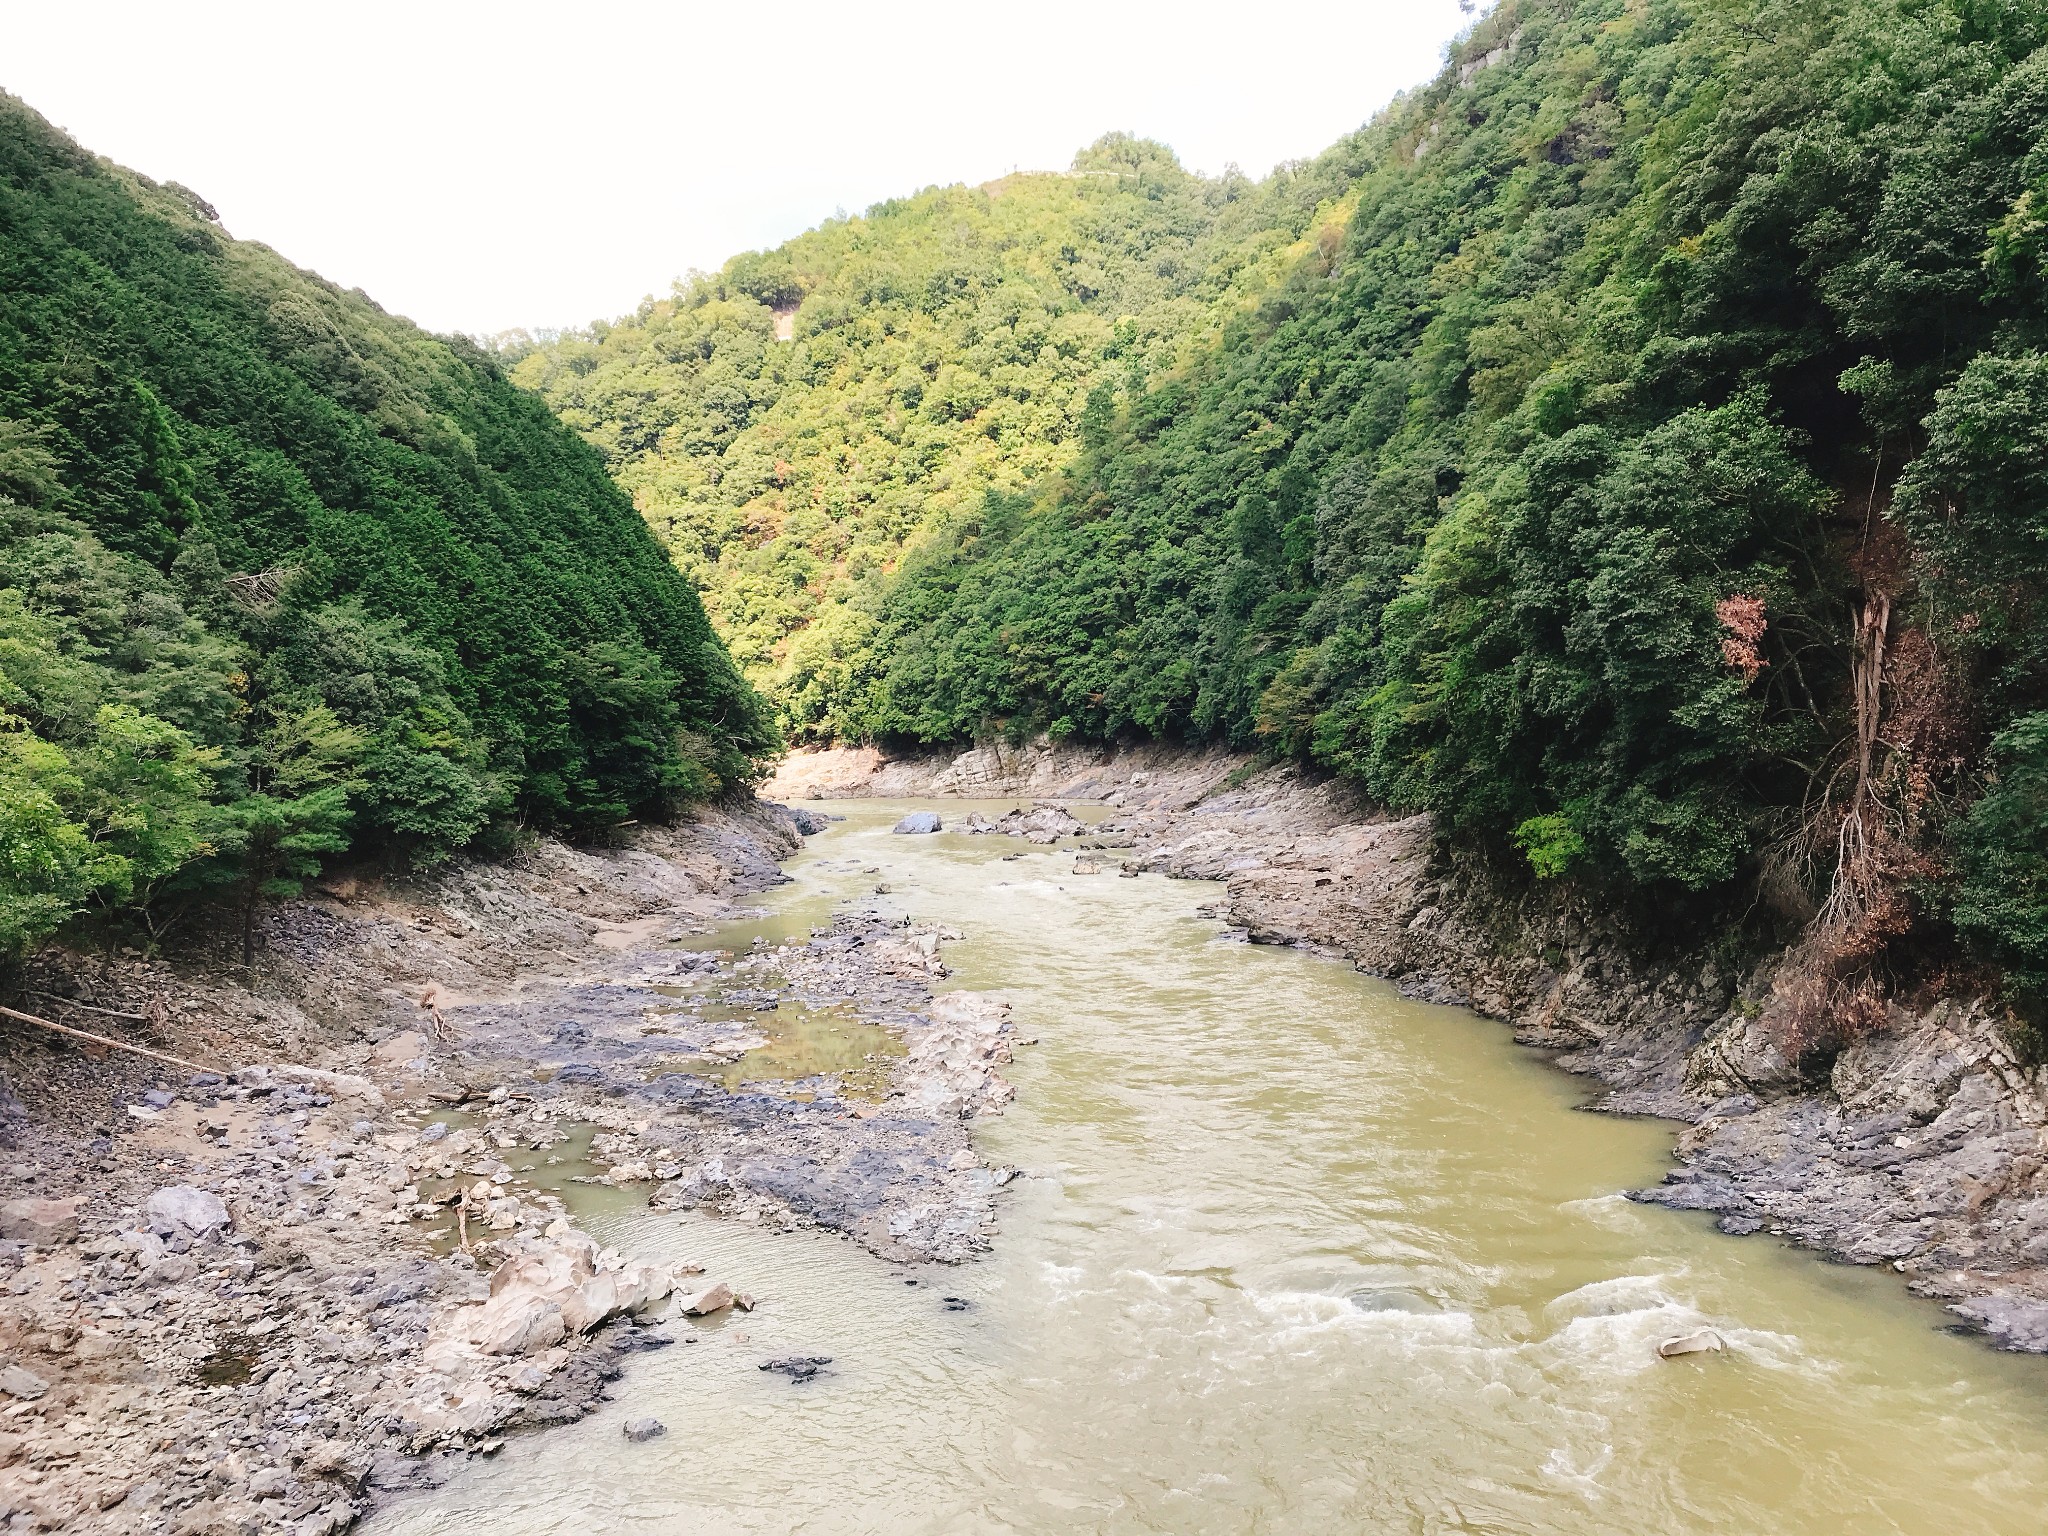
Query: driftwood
{"x": 111, "y": 1044}
{"x": 112, "y": 1013}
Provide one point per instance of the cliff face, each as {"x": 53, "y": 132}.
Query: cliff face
{"x": 1922, "y": 1147}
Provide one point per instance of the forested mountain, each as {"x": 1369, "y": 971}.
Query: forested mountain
{"x": 1628, "y": 447}
{"x": 282, "y": 576}
{"x": 937, "y": 348}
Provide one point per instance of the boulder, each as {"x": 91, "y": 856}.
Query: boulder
{"x": 952, "y": 1067}
{"x": 1044, "y": 824}
{"x": 2013, "y": 1322}
{"x": 502, "y": 1214}
{"x": 519, "y": 1325}
{"x": 638, "y": 1430}
{"x": 268, "y": 1482}
{"x": 45, "y": 1223}
{"x": 181, "y": 1210}
{"x": 707, "y": 1181}
{"x": 553, "y": 1287}
{"x": 919, "y": 822}
{"x": 1701, "y": 1341}
{"x": 714, "y": 1298}
{"x": 171, "y": 1269}
{"x": 19, "y": 1381}
{"x": 798, "y": 1367}
{"x": 912, "y": 955}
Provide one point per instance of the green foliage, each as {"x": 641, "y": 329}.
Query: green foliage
{"x": 296, "y": 812}
{"x": 423, "y": 781}
{"x": 2003, "y": 898}
{"x": 142, "y": 788}
{"x": 1550, "y": 843}
{"x": 962, "y": 342}
{"x": 48, "y": 865}
{"x": 1976, "y": 502}
{"x": 1561, "y": 647}
{"x": 103, "y": 802}
{"x": 281, "y": 577}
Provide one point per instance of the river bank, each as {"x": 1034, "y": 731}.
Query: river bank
{"x": 1293, "y": 1252}
{"x": 1924, "y": 1149}
{"x": 455, "y": 1057}
{"x": 336, "y": 1264}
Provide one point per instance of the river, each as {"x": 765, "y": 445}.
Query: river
{"x": 1296, "y": 1255}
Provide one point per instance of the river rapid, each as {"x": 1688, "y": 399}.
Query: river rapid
{"x": 1295, "y": 1254}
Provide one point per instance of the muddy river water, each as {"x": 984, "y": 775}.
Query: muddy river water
{"x": 1296, "y": 1255}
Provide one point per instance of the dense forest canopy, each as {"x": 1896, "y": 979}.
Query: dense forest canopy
{"x": 282, "y": 576}
{"x": 937, "y": 348}
{"x": 1628, "y": 447}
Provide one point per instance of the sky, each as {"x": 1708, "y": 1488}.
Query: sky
{"x": 485, "y": 166}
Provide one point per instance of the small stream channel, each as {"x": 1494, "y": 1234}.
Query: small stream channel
{"x": 1299, "y": 1255}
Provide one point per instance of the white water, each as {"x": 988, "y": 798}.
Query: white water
{"x": 1304, "y": 1257}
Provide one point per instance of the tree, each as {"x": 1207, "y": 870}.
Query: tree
{"x": 296, "y": 814}
{"x": 49, "y": 867}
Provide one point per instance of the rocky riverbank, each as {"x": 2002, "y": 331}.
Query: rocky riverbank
{"x": 259, "y": 1297}
{"x": 1925, "y": 1147}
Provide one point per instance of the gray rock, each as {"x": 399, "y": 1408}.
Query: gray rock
{"x": 2014, "y": 1322}
{"x": 17, "y": 1381}
{"x": 42, "y": 1222}
{"x": 798, "y": 1367}
{"x": 644, "y": 1429}
{"x": 1701, "y": 1341}
{"x": 146, "y": 1246}
{"x": 268, "y": 1482}
{"x": 325, "y": 1522}
{"x": 1045, "y": 823}
{"x": 181, "y": 1210}
{"x": 919, "y": 822}
{"x": 714, "y": 1298}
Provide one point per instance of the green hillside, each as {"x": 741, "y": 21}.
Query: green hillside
{"x": 1637, "y": 462}
{"x": 281, "y": 576}
{"x": 939, "y": 347}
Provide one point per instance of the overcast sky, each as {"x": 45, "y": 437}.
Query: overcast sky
{"x": 480, "y": 166}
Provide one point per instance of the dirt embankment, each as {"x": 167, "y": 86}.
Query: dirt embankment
{"x": 1926, "y": 1148}
{"x": 259, "y": 1297}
